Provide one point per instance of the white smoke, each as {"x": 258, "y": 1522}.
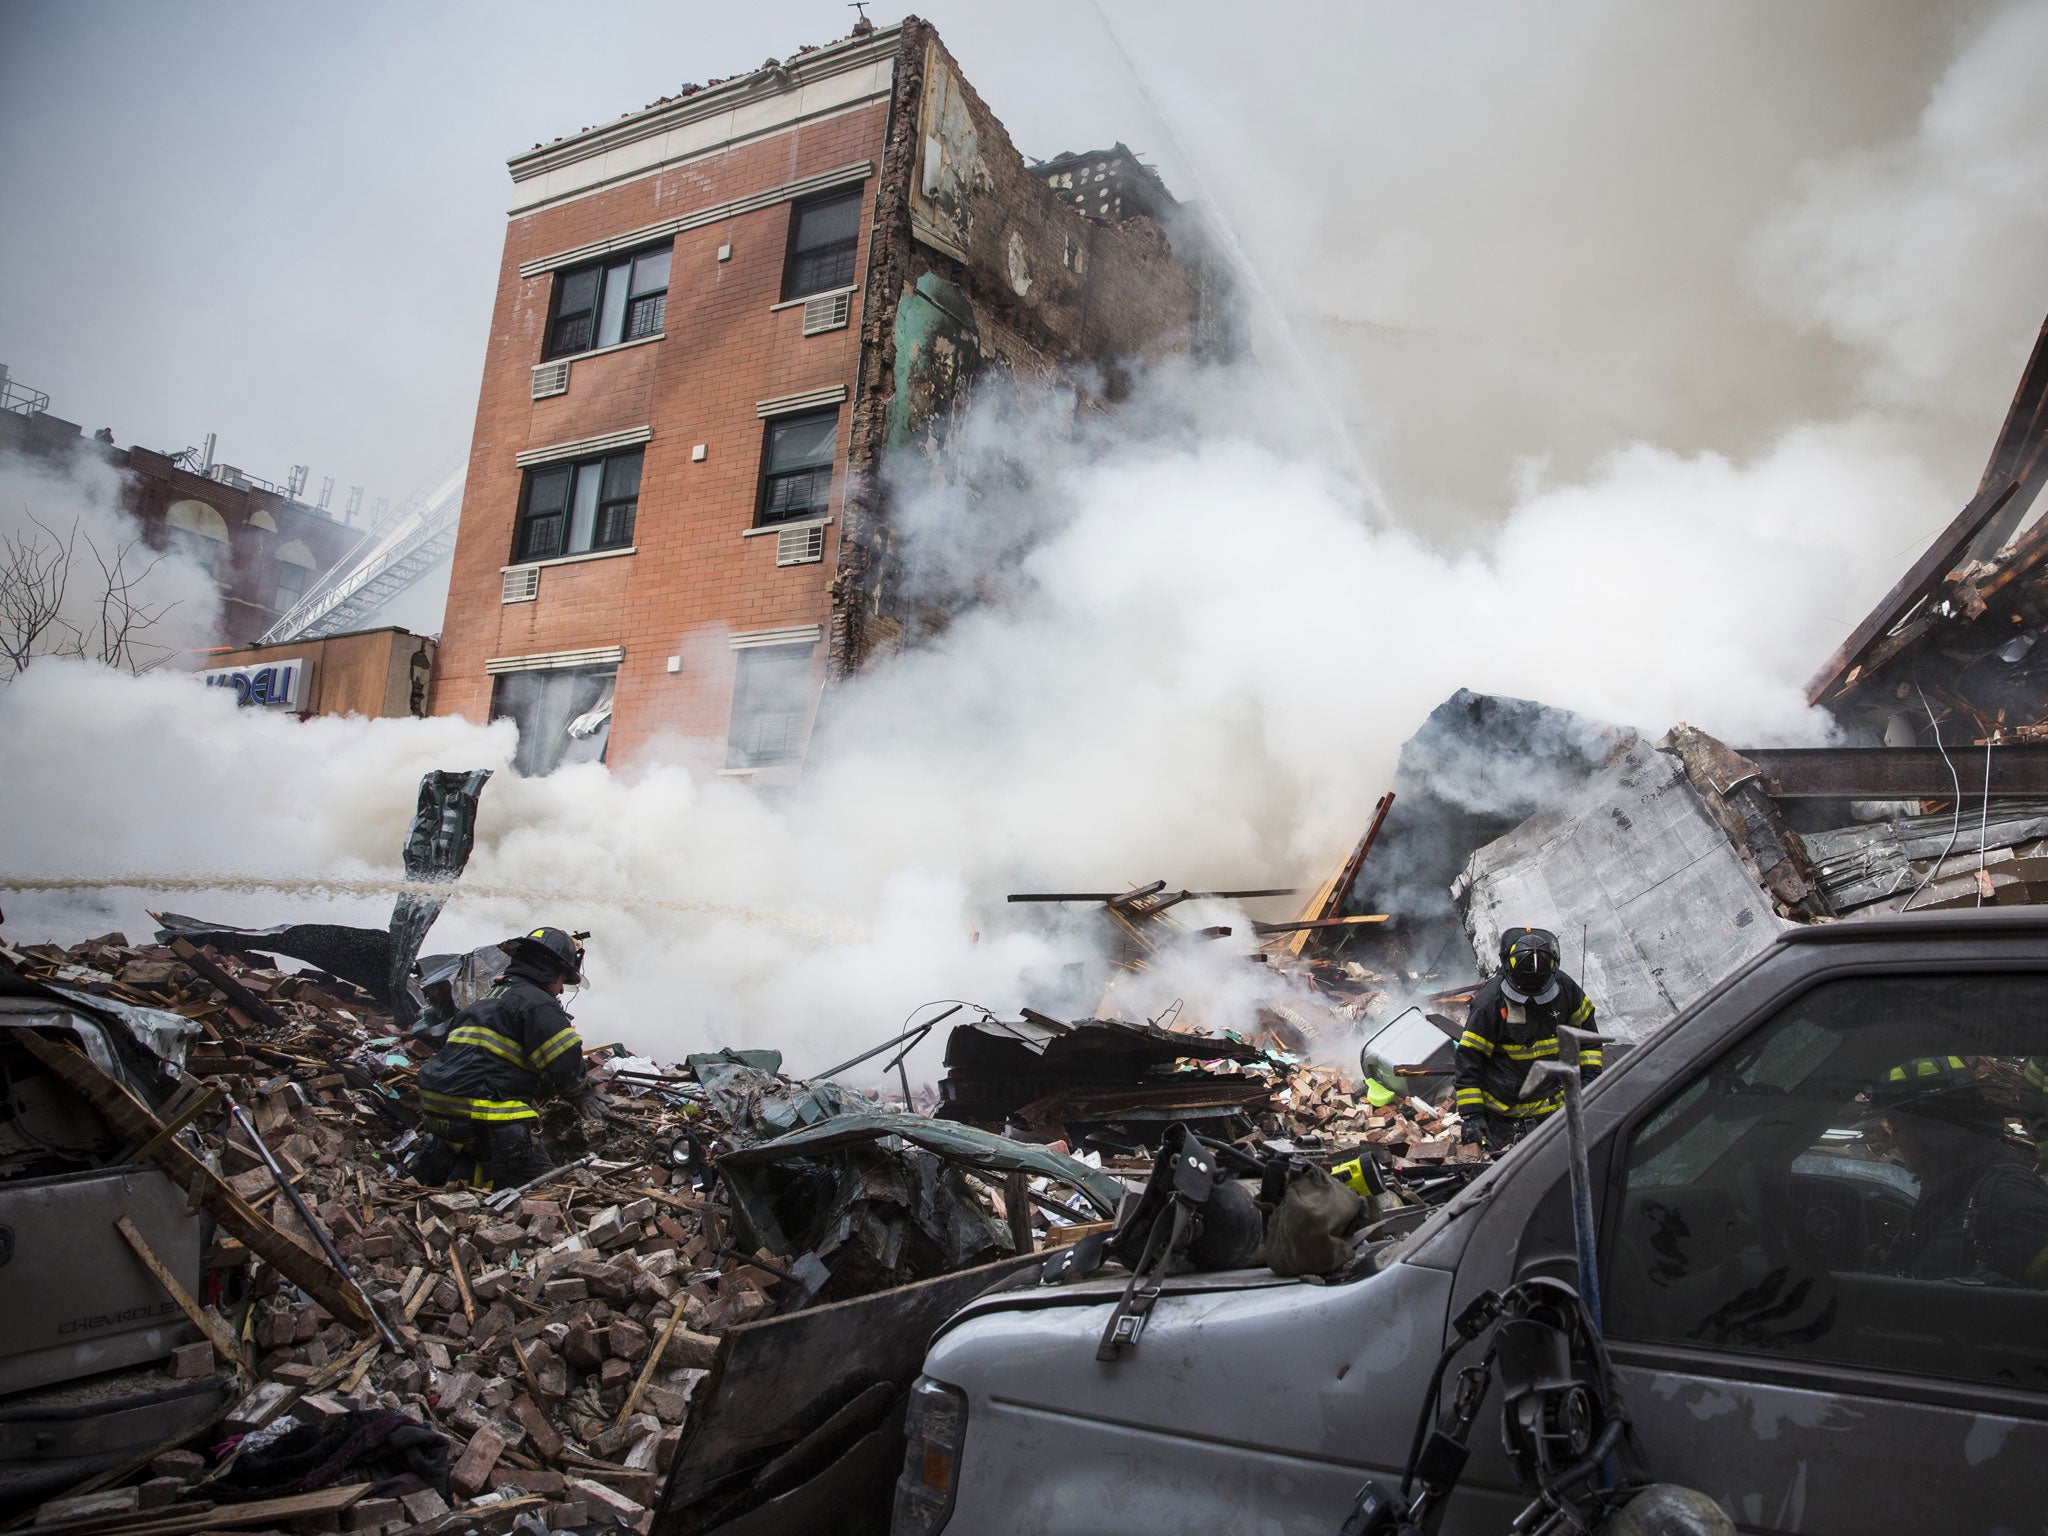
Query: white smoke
{"x": 69, "y": 519}
{"x": 1194, "y": 649}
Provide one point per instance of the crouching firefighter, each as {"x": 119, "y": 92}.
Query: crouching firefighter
{"x": 1513, "y": 1022}
{"x": 506, "y": 1051}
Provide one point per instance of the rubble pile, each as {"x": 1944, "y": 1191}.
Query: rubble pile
{"x": 554, "y": 1334}
{"x": 559, "y": 1336}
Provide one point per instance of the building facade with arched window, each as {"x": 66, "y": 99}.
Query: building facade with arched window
{"x": 263, "y": 550}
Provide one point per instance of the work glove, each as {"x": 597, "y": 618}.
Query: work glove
{"x": 1472, "y": 1132}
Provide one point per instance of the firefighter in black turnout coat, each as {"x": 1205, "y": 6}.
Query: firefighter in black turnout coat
{"x": 510, "y": 1048}
{"x": 1511, "y": 1024}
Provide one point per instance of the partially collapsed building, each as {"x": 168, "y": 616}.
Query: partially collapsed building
{"x": 719, "y": 318}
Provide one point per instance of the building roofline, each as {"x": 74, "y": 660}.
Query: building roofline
{"x": 796, "y": 71}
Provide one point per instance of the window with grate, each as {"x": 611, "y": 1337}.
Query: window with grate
{"x": 800, "y": 546}
{"x": 823, "y": 238}
{"x": 771, "y": 705}
{"x": 796, "y": 466}
{"x": 827, "y": 312}
{"x": 621, "y": 298}
{"x": 578, "y": 507}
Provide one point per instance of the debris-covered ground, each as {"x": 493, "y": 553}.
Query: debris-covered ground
{"x": 557, "y": 1340}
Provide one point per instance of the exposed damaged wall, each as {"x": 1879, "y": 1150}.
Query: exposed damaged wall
{"x": 1637, "y": 875}
{"x": 976, "y": 266}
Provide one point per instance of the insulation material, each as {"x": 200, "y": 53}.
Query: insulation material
{"x": 1637, "y": 872}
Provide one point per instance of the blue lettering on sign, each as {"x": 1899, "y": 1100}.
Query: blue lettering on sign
{"x": 274, "y": 684}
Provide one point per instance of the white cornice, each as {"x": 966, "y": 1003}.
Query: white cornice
{"x": 733, "y": 99}
{"x": 582, "y": 446}
{"x": 783, "y": 405}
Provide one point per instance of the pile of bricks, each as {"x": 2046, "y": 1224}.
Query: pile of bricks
{"x": 1321, "y": 1103}
{"x": 554, "y": 1337}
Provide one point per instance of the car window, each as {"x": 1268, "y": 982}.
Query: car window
{"x": 1859, "y": 1182}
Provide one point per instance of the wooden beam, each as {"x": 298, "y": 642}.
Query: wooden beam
{"x": 1914, "y": 588}
{"x": 223, "y": 1342}
{"x": 133, "y": 1120}
{"x": 2021, "y": 452}
{"x": 209, "y": 1517}
{"x": 1331, "y": 895}
{"x": 1314, "y": 925}
{"x": 646, "y": 1371}
{"x": 175, "y": 1124}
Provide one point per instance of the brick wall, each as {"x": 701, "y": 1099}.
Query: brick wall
{"x": 246, "y": 571}
{"x": 692, "y": 575}
{"x": 1050, "y": 293}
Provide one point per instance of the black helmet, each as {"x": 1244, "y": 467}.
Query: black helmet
{"x": 1529, "y": 956}
{"x": 1942, "y": 1088}
{"x": 555, "y": 948}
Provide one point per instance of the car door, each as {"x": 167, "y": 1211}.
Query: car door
{"x": 1825, "y": 1250}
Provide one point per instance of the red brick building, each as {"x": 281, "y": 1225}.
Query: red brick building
{"x": 715, "y": 318}
{"x": 263, "y": 547}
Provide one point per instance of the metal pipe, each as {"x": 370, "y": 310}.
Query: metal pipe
{"x": 917, "y": 1030}
{"x": 1565, "y": 1073}
{"x": 504, "y": 1199}
{"x": 313, "y": 1225}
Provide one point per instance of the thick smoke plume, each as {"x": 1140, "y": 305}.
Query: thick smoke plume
{"x": 76, "y": 577}
{"x": 1194, "y": 646}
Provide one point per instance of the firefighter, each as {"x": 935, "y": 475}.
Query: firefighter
{"x": 1512, "y": 1024}
{"x": 504, "y": 1052}
{"x": 1982, "y": 1215}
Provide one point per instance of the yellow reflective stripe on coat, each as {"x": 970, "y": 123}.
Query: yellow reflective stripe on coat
{"x": 1526, "y": 1110}
{"x": 1535, "y": 1050}
{"x": 1475, "y": 1042}
{"x": 504, "y": 1047}
{"x": 1583, "y": 1012}
{"x": 1469, "y": 1096}
{"x": 476, "y": 1109}
{"x": 553, "y": 1047}
{"x": 1589, "y": 1056}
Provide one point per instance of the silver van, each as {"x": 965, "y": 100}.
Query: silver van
{"x": 1825, "y": 1315}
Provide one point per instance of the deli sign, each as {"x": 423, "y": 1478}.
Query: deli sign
{"x": 279, "y": 684}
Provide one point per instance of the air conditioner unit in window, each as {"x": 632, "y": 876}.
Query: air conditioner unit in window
{"x": 800, "y": 546}
{"x": 551, "y": 379}
{"x": 522, "y": 584}
{"x": 827, "y": 312}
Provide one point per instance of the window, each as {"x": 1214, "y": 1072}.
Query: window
{"x": 796, "y": 466}
{"x": 621, "y": 298}
{"x": 1855, "y": 1185}
{"x": 823, "y": 237}
{"x": 195, "y": 531}
{"x": 294, "y": 565}
{"x": 564, "y": 715}
{"x": 771, "y": 704}
{"x": 577, "y": 508}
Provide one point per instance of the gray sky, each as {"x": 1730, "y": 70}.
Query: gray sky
{"x": 282, "y": 223}
{"x": 1510, "y": 236}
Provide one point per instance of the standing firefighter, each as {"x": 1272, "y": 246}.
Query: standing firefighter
{"x": 508, "y": 1049}
{"x": 1512, "y": 1023}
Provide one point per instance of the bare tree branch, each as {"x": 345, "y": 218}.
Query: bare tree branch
{"x": 34, "y": 578}
{"x": 36, "y": 571}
